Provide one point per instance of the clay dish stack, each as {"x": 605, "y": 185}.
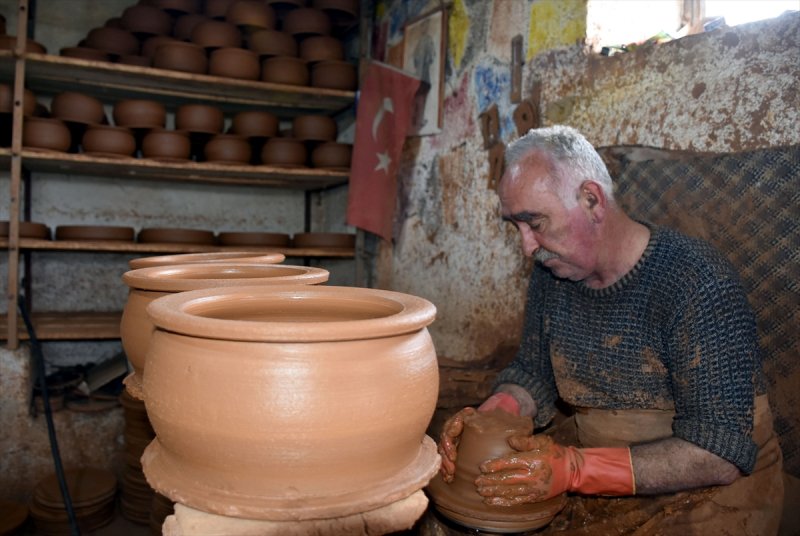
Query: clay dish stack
{"x": 78, "y": 111}
{"x": 212, "y": 34}
{"x": 144, "y": 20}
{"x": 181, "y": 56}
{"x": 268, "y": 43}
{"x": 136, "y": 493}
{"x": 284, "y": 152}
{"x": 234, "y": 62}
{"x": 95, "y": 232}
{"x": 7, "y": 111}
{"x": 92, "y": 492}
{"x": 185, "y": 23}
{"x": 163, "y": 145}
{"x": 109, "y": 141}
{"x": 27, "y": 229}
{"x": 46, "y": 133}
{"x": 228, "y": 149}
{"x": 114, "y": 41}
{"x": 289, "y": 70}
{"x": 147, "y": 284}
{"x": 332, "y": 156}
{"x": 251, "y": 15}
{"x": 343, "y": 13}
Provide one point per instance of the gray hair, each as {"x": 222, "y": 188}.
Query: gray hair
{"x": 572, "y": 158}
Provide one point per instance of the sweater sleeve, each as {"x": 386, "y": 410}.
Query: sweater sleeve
{"x": 714, "y": 358}
{"x": 531, "y": 368}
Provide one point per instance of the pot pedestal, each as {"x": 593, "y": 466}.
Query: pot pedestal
{"x": 397, "y": 516}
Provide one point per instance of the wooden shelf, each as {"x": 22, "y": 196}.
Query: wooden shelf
{"x": 45, "y": 73}
{"x": 143, "y": 168}
{"x": 67, "y": 326}
{"x": 114, "y": 246}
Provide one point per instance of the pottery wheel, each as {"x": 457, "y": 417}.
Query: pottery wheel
{"x": 168, "y": 475}
{"x": 495, "y": 519}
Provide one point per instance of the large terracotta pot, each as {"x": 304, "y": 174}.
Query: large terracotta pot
{"x": 147, "y": 284}
{"x": 215, "y": 257}
{"x": 485, "y": 436}
{"x": 290, "y": 403}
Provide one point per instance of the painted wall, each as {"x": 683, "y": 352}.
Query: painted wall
{"x": 726, "y": 90}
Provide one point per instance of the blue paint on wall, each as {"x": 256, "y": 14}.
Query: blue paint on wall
{"x": 402, "y": 11}
{"x": 492, "y": 85}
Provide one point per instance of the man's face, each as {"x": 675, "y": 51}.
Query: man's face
{"x": 560, "y": 236}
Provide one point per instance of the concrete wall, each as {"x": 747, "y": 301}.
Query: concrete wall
{"x": 726, "y": 90}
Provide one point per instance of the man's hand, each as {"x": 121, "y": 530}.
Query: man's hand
{"x": 451, "y": 433}
{"x": 540, "y": 469}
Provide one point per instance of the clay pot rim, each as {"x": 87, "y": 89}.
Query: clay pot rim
{"x": 215, "y": 257}
{"x": 395, "y": 313}
{"x": 184, "y": 277}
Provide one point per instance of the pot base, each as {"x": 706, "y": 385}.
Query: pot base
{"x": 167, "y": 475}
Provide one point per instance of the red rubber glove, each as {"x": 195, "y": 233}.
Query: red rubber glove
{"x": 451, "y": 432}
{"x": 542, "y": 469}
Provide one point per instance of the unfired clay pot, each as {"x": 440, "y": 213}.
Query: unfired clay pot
{"x": 214, "y": 257}
{"x": 151, "y": 44}
{"x": 290, "y": 403}
{"x": 321, "y": 48}
{"x": 167, "y": 145}
{"x": 7, "y": 100}
{"x": 186, "y": 23}
{"x": 272, "y": 43}
{"x": 199, "y": 118}
{"x": 284, "y": 152}
{"x": 231, "y": 62}
{"x": 334, "y": 74}
{"x": 140, "y": 113}
{"x": 147, "y": 284}
{"x": 255, "y": 124}
{"x": 108, "y": 140}
{"x": 215, "y": 34}
{"x": 46, "y": 133}
{"x": 251, "y": 14}
{"x": 181, "y": 56}
{"x": 332, "y": 155}
{"x": 285, "y": 70}
{"x": 227, "y": 149}
{"x": 113, "y": 40}
{"x": 314, "y": 127}
{"x": 77, "y": 108}
{"x": 306, "y": 21}
{"x": 146, "y": 20}
{"x": 485, "y": 436}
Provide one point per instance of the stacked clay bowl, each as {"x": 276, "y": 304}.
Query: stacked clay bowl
{"x": 254, "y": 238}
{"x": 343, "y": 13}
{"x": 95, "y": 232}
{"x": 147, "y": 284}
{"x": 212, "y": 34}
{"x": 344, "y": 379}
{"x": 333, "y": 74}
{"x": 234, "y": 62}
{"x": 108, "y": 141}
{"x": 46, "y": 133}
{"x": 199, "y": 119}
{"x": 288, "y": 70}
{"x": 185, "y": 23}
{"x": 171, "y": 235}
{"x": 251, "y": 15}
{"x": 78, "y": 111}
{"x": 113, "y": 41}
{"x": 484, "y": 437}
{"x": 180, "y": 56}
{"x": 238, "y": 257}
{"x": 92, "y": 492}
{"x": 332, "y": 155}
{"x": 228, "y": 149}
{"x": 143, "y": 20}
{"x": 268, "y": 43}
{"x": 140, "y": 114}
{"x": 165, "y": 145}
{"x": 27, "y": 229}
{"x": 136, "y": 494}
{"x": 284, "y": 152}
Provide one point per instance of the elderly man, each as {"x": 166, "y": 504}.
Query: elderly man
{"x": 648, "y": 336}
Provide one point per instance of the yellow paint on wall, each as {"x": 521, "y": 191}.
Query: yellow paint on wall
{"x": 556, "y": 23}
{"x": 458, "y": 29}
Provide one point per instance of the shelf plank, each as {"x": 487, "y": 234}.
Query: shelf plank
{"x": 143, "y": 168}
{"x": 48, "y": 73}
{"x": 113, "y": 246}
{"x": 68, "y": 326}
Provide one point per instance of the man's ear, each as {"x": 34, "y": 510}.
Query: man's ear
{"x": 593, "y": 200}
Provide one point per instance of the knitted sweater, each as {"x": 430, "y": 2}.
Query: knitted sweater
{"x": 676, "y": 332}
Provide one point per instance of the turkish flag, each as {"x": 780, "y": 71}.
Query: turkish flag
{"x": 383, "y": 118}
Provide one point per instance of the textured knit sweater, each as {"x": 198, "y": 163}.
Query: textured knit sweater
{"x": 676, "y": 333}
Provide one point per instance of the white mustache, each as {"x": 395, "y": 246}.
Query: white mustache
{"x": 542, "y": 255}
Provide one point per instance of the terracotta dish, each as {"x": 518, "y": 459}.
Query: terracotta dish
{"x": 324, "y": 240}
{"x": 251, "y": 14}
{"x": 321, "y": 48}
{"x": 484, "y": 437}
{"x": 140, "y": 113}
{"x": 284, "y": 152}
{"x": 27, "y": 229}
{"x": 272, "y": 43}
{"x": 332, "y": 155}
{"x": 279, "y": 240}
{"x": 151, "y": 44}
{"x": 46, "y": 133}
{"x": 7, "y": 100}
{"x": 233, "y": 62}
{"x": 177, "y": 236}
{"x": 314, "y": 128}
{"x": 334, "y": 75}
{"x": 216, "y": 34}
{"x": 108, "y": 140}
{"x": 199, "y": 119}
{"x": 181, "y": 56}
{"x": 305, "y": 21}
{"x": 113, "y": 40}
{"x": 77, "y": 108}
{"x": 255, "y": 124}
{"x": 167, "y": 145}
{"x": 95, "y": 232}
{"x": 184, "y": 25}
{"x": 227, "y": 149}
{"x": 147, "y": 284}
{"x": 285, "y": 70}
{"x": 238, "y": 257}
{"x": 143, "y": 20}
{"x": 346, "y": 433}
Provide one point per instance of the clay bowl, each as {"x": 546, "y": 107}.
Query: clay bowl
{"x": 255, "y": 358}
{"x": 216, "y": 34}
{"x": 251, "y": 15}
{"x": 113, "y": 40}
{"x": 9, "y": 42}
{"x": 285, "y": 70}
{"x": 343, "y": 13}
{"x": 272, "y": 43}
{"x": 114, "y": 22}
{"x": 95, "y": 232}
{"x": 144, "y": 20}
{"x": 177, "y": 7}
{"x": 214, "y": 257}
{"x": 484, "y": 437}
{"x": 305, "y": 21}
{"x": 320, "y": 48}
{"x": 181, "y": 56}
{"x": 7, "y": 100}
{"x": 85, "y": 53}
{"x": 166, "y": 235}
{"x": 217, "y": 9}
{"x": 147, "y": 284}
{"x": 227, "y": 149}
{"x": 184, "y": 25}
{"x": 284, "y": 152}
{"x": 334, "y": 75}
{"x": 255, "y": 124}
{"x": 332, "y": 155}
{"x": 314, "y": 128}
{"x": 77, "y": 108}
{"x": 324, "y": 240}
{"x": 108, "y": 140}
{"x": 151, "y": 44}
{"x": 278, "y": 240}
{"x": 46, "y": 133}
{"x": 166, "y": 145}
{"x": 140, "y": 114}
{"x": 234, "y": 63}
{"x": 27, "y": 229}
{"x": 199, "y": 119}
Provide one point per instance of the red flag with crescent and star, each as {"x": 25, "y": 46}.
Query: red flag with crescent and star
{"x": 383, "y": 117}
